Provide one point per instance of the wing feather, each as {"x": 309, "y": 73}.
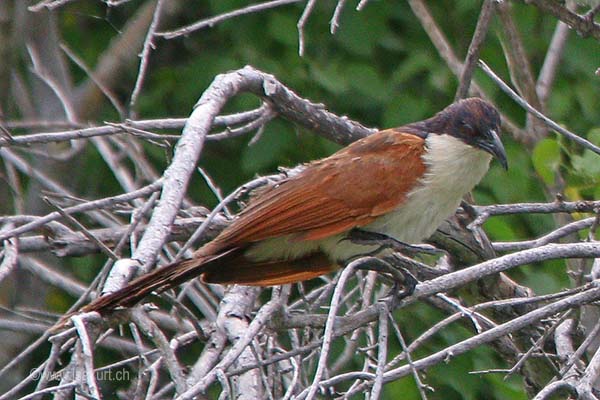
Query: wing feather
{"x": 326, "y": 198}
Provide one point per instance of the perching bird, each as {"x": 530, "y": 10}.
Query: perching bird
{"x": 401, "y": 182}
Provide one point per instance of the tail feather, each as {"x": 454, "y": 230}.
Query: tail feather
{"x": 158, "y": 280}
{"x": 239, "y": 270}
{"x": 226, "y": 267}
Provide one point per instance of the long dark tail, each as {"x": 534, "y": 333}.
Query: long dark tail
{"x": 158, "y": 281}
{"x": 226, "y": 267}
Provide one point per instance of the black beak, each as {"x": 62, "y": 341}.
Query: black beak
{"x": 493, "y": 145}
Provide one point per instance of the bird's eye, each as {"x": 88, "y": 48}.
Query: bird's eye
{"x": 466, "y": 127}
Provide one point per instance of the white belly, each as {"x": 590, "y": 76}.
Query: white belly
{"x": 454, "y": 168}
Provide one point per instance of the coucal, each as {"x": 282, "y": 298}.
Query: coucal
{"x": 400, "y": 182}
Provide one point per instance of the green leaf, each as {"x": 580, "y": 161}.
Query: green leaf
{"x": 392, "y": 42}
{"x": 561, "y": 103}
{"x": 500, "y": 229}
{"x": 587, "y": 165}
{"x": 546, "y": 159}
{"x": 588, "y": 99}
{"x": 594, "y": 136}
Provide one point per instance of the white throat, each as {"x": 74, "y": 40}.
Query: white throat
{"x": 453, "y": 167}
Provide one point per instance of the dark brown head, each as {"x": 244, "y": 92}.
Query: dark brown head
{"x": 474, "y": 121}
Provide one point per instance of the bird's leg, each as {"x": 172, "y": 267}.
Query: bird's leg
{"x": 468, "y": 208}
{"x": 362, "y": 237}
{"x": 401, "y": 276}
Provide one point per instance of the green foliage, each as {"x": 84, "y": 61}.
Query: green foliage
{"x": 272, "y": 146}
{"x": 586, "y": 165}
{"x": 546, "y": 160}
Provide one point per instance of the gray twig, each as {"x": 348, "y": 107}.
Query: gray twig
{"x": 483, "y": 23}
{"x": 508, "y": 90}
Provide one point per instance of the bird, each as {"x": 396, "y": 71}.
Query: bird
{"x": 400, "y": 182}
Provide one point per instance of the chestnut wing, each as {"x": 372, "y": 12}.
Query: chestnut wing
{"x": 348, "y": 189}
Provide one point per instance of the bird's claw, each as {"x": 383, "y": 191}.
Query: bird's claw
{"x": 404, "y": 282}
{"x": 366, "y": 238}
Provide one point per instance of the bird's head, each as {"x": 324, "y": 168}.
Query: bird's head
{"x": 474, "y": 121}
{"x": 477, "y": 123}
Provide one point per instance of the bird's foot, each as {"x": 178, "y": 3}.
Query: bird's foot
{"x": 404, "y": 282}
{"x": 383, "y": 241}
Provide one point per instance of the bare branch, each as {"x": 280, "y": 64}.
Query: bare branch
{"x": 107, "y": 91}
{"x": 92, "y": 205}
{"x": 238, "y": 301}
{"x": 551, "y": 62}
{"x": 150, "y": 329}
{"x": 335, "y": 19}
{"x": 9, "y": 255}
{"x": 310, "y": 5}
{"x": 49, "y": 4}
{"x": 348, "y": 272}
{"x": 483, "y": 23}
{"x": 448, "y": 55}
{"x": 210, "y": 22}
{"x": 249, "y": 119}
{"x": 578, "y": 139}
{"x": 588, "y": 296}
{"x": 145, "y": 55}
{"x": 553, "y": 236}
{"x": 582, "y": 25}
{"x": 88, "y": 358}
{"x": 520, "y": 72}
